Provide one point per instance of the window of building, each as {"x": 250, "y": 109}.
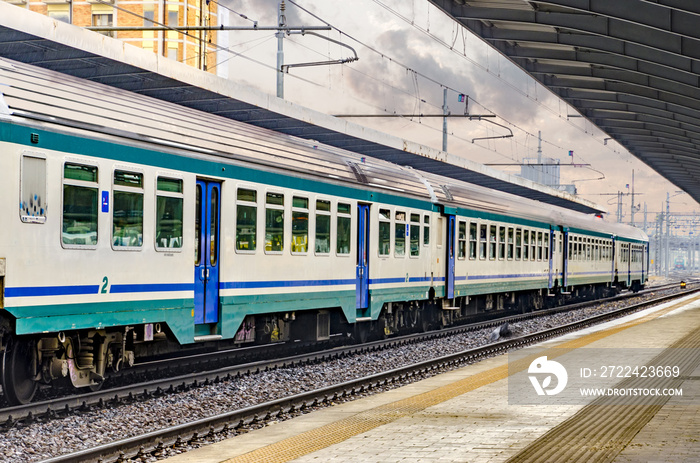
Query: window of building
{"x": 246, "y": 219}
{"x": 127, "y": 210}
{"x": 343, "y": 221}
{"x": 32, "y": 190}
{"x": 384, "y": 232}
{"x": 169, "y": 206}
{"x": 148, "y": 17}
{"x": 103, "y": 15}
{"x": 462, "y": 240}
{"x": 59, "y": 12}
{"x": 173, "y": 37}
{"x": 399, "y": 234}
{"x": 274, "y": 222}
{"x": 300, "y": 225}
{"x": 323, "y": 227}
{"x": 80, "y": 205}
{"x": 414, "y": 235}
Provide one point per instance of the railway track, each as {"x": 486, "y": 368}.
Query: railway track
{"x": 155, "y": 442}
{"x": 62, "y": 406}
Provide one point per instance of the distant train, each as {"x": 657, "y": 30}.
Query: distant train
{"x": 142, "y": 227}
{"x": 679, "y": 263}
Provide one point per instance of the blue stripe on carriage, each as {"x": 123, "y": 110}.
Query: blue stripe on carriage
{"x": 151, "y": 288}
{"x": 32, "y": 291}
{"x": 36, "y": 291}
{"x": 283, "y": 284}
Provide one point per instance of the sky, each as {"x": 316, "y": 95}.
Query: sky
{"x": 409, "y": 52}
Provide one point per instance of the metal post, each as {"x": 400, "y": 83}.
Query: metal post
{"x": 444, "y": 119}
{"x": 281, "y": 23}
{"x": 632, "y": 203}
{"x": 668, "y": 234}
{"x": 540, "y": 167}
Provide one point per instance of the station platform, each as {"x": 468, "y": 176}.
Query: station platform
{"x": 482, "y": 413}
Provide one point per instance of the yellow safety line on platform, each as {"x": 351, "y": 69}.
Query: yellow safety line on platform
{"x": 339, "y": 431}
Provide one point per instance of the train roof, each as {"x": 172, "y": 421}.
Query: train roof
{"x": 36, "y": 39}
{"x": 88, "y": 108}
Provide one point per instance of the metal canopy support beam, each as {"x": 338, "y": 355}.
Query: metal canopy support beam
{"x": 632, "y": 67}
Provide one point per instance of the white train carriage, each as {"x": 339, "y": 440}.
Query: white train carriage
{"x": 144, "y": 226}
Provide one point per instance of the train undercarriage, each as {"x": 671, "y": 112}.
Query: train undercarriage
{"x": 85, "y": 359}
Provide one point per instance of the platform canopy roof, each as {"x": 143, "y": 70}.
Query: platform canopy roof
{"x": 38, "y": 40}
{"x": 632, "y": 67}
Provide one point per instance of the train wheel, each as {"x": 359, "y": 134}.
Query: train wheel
{"x": 18, "y": 371}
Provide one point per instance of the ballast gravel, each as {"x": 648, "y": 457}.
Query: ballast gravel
{"x": 43, "y": 440}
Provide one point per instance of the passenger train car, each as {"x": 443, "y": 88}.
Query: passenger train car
{"x": 133, "y": 227}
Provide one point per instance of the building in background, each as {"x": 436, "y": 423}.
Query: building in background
{"x": 546, "y": 172}
{"x": 195, "y": 48}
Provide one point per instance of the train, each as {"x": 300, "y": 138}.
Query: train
{"x": 143, "y": 228}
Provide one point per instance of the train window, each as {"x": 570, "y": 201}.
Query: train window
{"x": 384, "y": 232}
{"x": 510, "y": 243}
{"x": 274, "y": 223}
{"x": 526, "y": 244}
{"x": 540, "y": 251}
{"x": 214, "y": 226}
{"x": 32, "y": 190}
{"x": 127, "y": 210}
{"x": 300, "y": 225}
{"x": 546, "y": 245}
{"x": 426, "y": 230}
{"x": 246, "y": 219}
{"x": 581, "y": 250}
{"x": 501, "y": 243}
{"x": 343, "y": 220}
{"x": 472, "y": 240}
{"x": 571, "y": 248}
{"x": 518, "y": 243}
{"x": 533, "y": 245}
{"x": 80, "y": 205}
{"x": 482, "y": 241}
{"x": 462, "y": 240}
{"x": 400, "y": 234}
{"x": 492, "y": 242}
{"x": 169, "y": 199}
{"x": 323, "y": 227}
{"x": 414, "y": 235}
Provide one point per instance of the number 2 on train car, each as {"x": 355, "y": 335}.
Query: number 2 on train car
{"x": 206, "y": 269}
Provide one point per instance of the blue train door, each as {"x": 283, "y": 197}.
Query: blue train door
{"x": 552, "y": 249}
{"x": 362, "y": 279}
{"x": 206, "y": 267}
{"x": 565, "y": 251}
{"x": 450, "y": 278}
